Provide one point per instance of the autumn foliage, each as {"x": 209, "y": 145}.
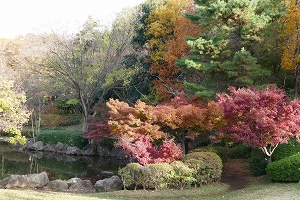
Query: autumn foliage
{"x": 148, "y": 132}
{"x": 259, "y": 118}
{"x": 290, "y": 36}
{"x": 167, "y": 29}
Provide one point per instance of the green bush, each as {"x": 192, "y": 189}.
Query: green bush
{"x": 207, "y": 166}
{"x": 131, "y": 175}
{"x": 69, "y": 137}
{"x": 181, "y": 175}
{"x": 285, "y": 170}
{"x": 150, "y": 176}
{"x": 240, "y": 151}
{"x": 219, "y": 150}
{"x": 258, "y": 162}
{"x": 286, "y": 150}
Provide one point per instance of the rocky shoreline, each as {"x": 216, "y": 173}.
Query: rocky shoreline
{"x": 41, "y": 181}
{"x": 88, "y": 150}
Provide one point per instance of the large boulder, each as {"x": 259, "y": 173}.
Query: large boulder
{"x": 17, "y": 181}
{"x": 3, "y": 183}
{"x": 57, "y": 185}
{"x": 73, "y": 151}
{"x": 38, "y": 180}
{"x": 49, "y": 148}
{"x": 89, "y": 150}
{"x": 82, "y": 186}
{"x": 103, "y": 151}
{"x": 118, "y": 153}
{"x": 37, "y": 146}
{"x": 109, "y": 184}
{"x": 60, "y": 147}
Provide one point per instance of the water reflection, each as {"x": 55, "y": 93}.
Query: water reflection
{"x": 57, "y": 166}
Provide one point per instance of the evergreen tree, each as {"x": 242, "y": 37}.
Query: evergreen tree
{"x": 222, "y": 54}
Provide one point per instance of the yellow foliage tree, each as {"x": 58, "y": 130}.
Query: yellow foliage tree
{"x": 166, "y": 31}
{"x": 290, "y": 36}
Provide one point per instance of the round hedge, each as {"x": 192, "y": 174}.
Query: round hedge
{"x": 207, "y": 166}
{"x": 286, "y": 150}
{"x": 219, "y": 150}
{"x": 285, "y": 170}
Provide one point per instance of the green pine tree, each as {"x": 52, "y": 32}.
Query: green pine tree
{"x": 222, "y": 55}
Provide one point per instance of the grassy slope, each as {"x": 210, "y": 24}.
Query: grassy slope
{"x": 259, "y": 189}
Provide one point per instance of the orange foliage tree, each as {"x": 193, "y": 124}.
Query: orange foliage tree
{"x": 180, "y": 119}
{"x": 290, "y": 36}
{"x": 166, "y": 30}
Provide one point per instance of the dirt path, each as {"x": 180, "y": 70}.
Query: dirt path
{"x": 236, "y": 174}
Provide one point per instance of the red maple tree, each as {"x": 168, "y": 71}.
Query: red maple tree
{"x": 259, "y": 118}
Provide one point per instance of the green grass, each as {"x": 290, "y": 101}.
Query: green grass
{"x": 260, "y": 189}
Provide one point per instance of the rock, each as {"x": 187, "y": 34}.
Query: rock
{"x": 38, "y": 180}
{"x": 49, "y": 148}
{"x": 89, "y": 150}
{"x": 82, "y": 186}
{"x": 3, "y": 183}
{"x": 73, "y": 180}
{"x": 106, "y": 174}
{"x": 60, "y": 147}
{"x": 118, "y": 153}
{"x": 57, "y": 185}
{"x": 37, "y": 146}
{"x": 28, "y": 144}
{"x": 73, "y": 151}
{"x": 103, "y": 151}
{"x": 113, "y": 183}
{"x": 17, "y": 181}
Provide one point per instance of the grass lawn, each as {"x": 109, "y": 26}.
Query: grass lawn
{"x": 259, "y": 188}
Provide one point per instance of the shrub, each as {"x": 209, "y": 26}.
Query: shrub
{"x": 258, "y": 162}
{"x": 207, "y": 166}
{"x": 240, "y": 151}
{"x": 155, "y": 176}
{"x": 286, "y": 150}
{"x": 285, "y": 170}
{"x": 131, "y": 175}
{"x": 219, "y": 150}
{"x": 160, "y": 174}
{"x": 69, "y": 137}
{"x": 181, "y": 175}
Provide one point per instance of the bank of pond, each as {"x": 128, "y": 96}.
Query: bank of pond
{"x": 57, "y": 165}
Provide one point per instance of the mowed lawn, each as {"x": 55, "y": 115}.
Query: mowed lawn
{"x": 259, "y": 188}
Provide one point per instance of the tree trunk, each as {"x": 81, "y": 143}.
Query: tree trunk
{"x": 85, "y": 113}
{"x": 269, "y": 159}
{"x": 297, "y": 74}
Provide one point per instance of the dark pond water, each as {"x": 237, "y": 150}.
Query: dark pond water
{"x": 57, "y": 166}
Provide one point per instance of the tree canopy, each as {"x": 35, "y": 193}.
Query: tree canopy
{"x": 13, "y": 113}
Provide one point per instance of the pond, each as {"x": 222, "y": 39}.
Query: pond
{"x": 57, "y": 166}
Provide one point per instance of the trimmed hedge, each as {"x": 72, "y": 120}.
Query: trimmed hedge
{"x": 285, "y": 170}
{"x": 286, "y": 150}
{"x": 219, "y": 150}
{"x": 207, "y": 166}
{"x": 69, "y": 137}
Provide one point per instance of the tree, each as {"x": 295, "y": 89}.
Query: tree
{"x": 290, "y": 36}
{"x": 222, "y": 54}
{"x": 180, "y": 119}
{"x": 166, "y": 31}
{"x": 259, "y": 118}
{"x": 13, "y": 113}
{"x": 89, "y": 64}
